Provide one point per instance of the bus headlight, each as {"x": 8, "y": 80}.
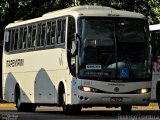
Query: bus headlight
{"x": 143, "y": 91}
{"x": 87, "y": 89}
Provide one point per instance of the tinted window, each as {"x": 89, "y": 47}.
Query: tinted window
{"x": 29, "y": 36}
{"x": 21, "y": 38}
{"x": 53, "y": 32}
{"x": 39, "y": 35}
{"x": 61, "y": 28}
{"x": 12, "y": 39}
{"x": 48, "y": 32}
{"x": 33, "y": 44}
{"x": 24, "y": 38}
{"x": 7, "y": 39}
{"x": 43, "y": 34}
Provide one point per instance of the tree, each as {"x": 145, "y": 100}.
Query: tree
{"x": 12, "y": 10}
{"x": 150, "y": 8}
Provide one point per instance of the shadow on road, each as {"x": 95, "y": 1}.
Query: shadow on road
{"x": 108, "y": 114}
{"x": 50, "y": 114}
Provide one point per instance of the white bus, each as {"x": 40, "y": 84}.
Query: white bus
{"x": 78, "y": 57}
{"x": 155, "y": 36}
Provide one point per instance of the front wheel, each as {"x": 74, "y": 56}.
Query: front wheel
{"x": 126, "y": 109}
{"x": 66, "y": 108}
{"x": 70, "y": 109}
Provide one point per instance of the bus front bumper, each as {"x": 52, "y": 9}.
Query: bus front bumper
{"x": 102, "y": 99}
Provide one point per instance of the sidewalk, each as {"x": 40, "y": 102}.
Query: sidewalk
{"x": 152, "y": 106}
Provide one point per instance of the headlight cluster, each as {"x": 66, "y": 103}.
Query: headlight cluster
{"x": 87, "y": 89}
{"x": 90, "y": 89}
{"x": 143, "y": 91}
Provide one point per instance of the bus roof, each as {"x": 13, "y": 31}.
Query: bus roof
{"x": 81, "y": 11}
{"x": 154, "y": 27}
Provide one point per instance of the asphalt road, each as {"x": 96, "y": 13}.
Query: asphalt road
{"x": 54, "y": 113}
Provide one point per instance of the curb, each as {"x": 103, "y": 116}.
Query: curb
{"x": 7, "y": 105}
{"x": 152, "y": 106}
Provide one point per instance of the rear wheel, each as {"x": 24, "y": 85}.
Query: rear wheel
{"x": 19, "y": 105}
{"x": 126, "y": 109}
{"x": 23, "y": 107}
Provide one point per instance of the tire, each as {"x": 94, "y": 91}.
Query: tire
{"x": 76, "y": 109}
{"x": 23, "y": 107}
{"x": 19, "y": 105}
{"x": 69, "y": 109}
{"x": 66, "y": 108}
{"x": 126, "y": 109}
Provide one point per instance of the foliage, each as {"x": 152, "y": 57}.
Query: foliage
{"x": 12, "y": 10}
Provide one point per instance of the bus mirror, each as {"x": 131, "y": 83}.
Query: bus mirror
{"x": 74, "y": 48}
{"x": 75, "y": 43}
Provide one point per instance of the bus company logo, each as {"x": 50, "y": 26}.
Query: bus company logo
{"x": 116, "y": 89}
{"x": 15, "y": 63}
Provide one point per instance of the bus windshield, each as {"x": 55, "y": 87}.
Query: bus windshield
{"x": 114, "y": 48}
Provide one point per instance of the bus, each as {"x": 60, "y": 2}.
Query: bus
{"x": 78, "y": 57}
{"x": 155, "y": 36}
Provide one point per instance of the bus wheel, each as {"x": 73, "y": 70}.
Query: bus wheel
{"x": 70, "y": 109}
{"x": 19, "y": 105}
{"x": 126, "y": 109}
{"x": 66, "y": 108}
{"x": 76, "y": 109}
{"x": 23, "y": 107}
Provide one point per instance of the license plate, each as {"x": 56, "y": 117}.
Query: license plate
{"x": 116, "y": 99}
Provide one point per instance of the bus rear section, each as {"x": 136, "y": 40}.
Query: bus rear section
{"x": 155, "y": 37}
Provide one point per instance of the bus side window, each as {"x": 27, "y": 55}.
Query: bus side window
{"x": 24, "y": 38}
{"x": 12, "y": 40}
{"x": 58, "y": 31}
{"x": 21, "y": 38}
{"x": 48, "y": 32}
{"x": 15, "y": 45}
{"x": 43, "y": 34}
{"x": 29, "y": 36}
{"x": 53, "y": 29}
{"x": 33, "y": 43}
{"x": 16, "y": 39}
{"x": 63, "y": 31}
{"x": 39, "y": 35}
{"x": 7, "y": 40}
{"x": 61, "y": 28}
{"x": 155, "y": 36}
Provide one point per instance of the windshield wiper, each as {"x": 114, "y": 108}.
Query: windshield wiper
{"x": 103, "y": 69}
